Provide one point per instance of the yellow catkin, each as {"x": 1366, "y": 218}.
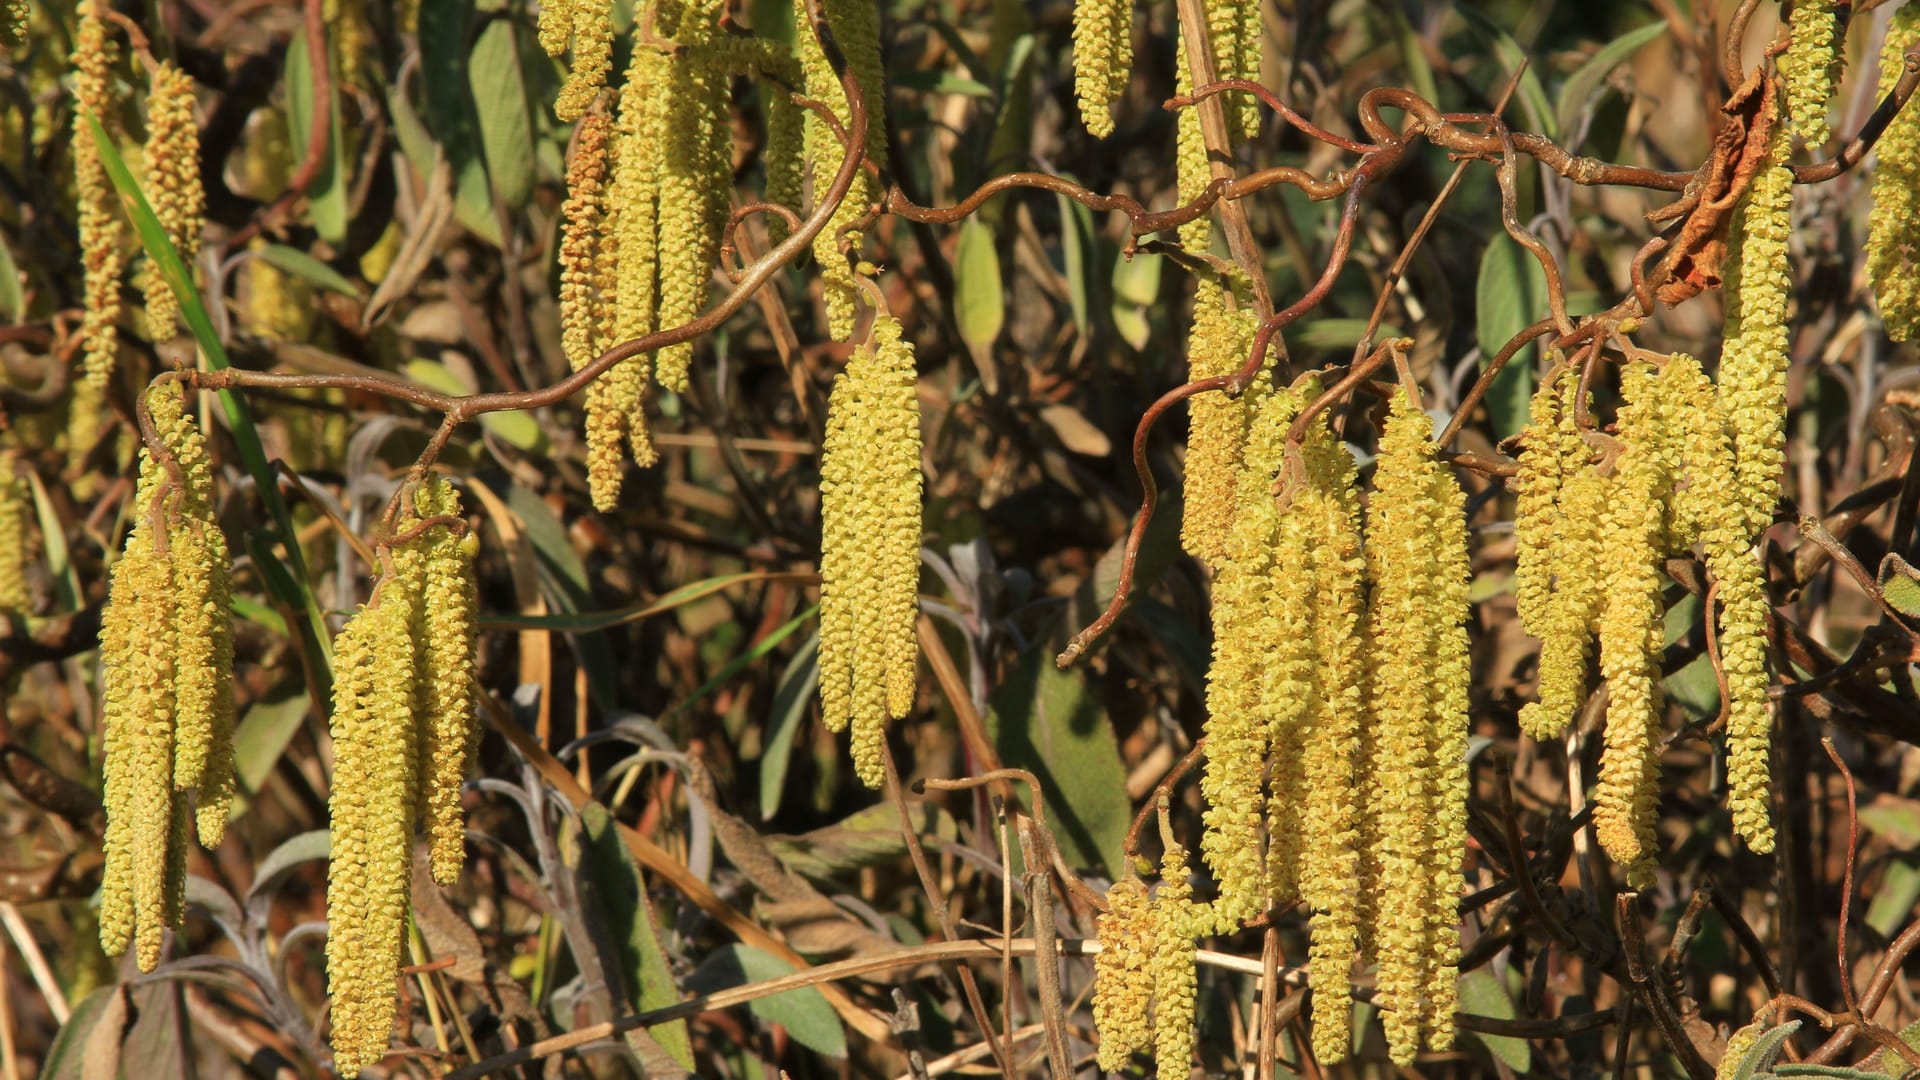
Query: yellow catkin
{"x": 695, "y": 198}
{"x": 16, "y": 507}
{"x": 172, "y": 162}
{"x": 1893, "y": 239}
{"x": 1558, "y": 577}
{"x": 14, "y": 17}
{"x": 856, "y": 29}
{"x": 592, "y": 25}
{"x": 1631, "y": 634}
{"x": 1217, "y": 344}
{"x": 582, "y": 221}
{"x": 1740, "y": 588}
{"x": 1171, "y": 965}
{"x": 278, "y": 305}
{"x": 449, "y": 606}
{"x": 555, "y": 25}
{"x": 97, "y": 206}
{"x": 371, "y": 829}
{"x": 1327, "y": 505}
{"x": 1252, "y": 631}
{"x": 203, "y": 670}
{"x": 1416, "y": 563}
{"x": 870, "y": 545}
{"x": 1753, "y": 362}
{"x": 1102, "y": 59}
{"x": 1739, "y": 1044}
{"x": 1122, "y": 985}
{"x": 1808, "y": 67}
{"x": 784, "y": 158}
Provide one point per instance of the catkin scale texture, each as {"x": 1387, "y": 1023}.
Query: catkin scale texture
{"x": 1171, "y": 965}
{"x": 1754, "y": 360}
{"x": 1122, "y": 986}
{"x": 870, "y": 545}
{"x": 856, "y": 29}
{"x": 1808, "y": 68}
{"x": 97, "y": 206}
{"x": 1893, "y": 227}
{"x": 172, "y": 160}
{"x": 1102, "y": 59}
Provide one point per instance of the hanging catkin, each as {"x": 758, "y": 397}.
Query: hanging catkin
{"x": 1102, "y": 59}
{"x": 97, "y": 207}
{"x": 1808, "y": 68}
{"x": 1893, "y": 238}
{"x": 856, "y": 29}
{"x": 172, "y": 161}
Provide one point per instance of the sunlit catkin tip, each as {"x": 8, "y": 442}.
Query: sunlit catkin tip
{"x": 1893, "y": 240}
{"x": 1809, "y": 66}
{"x": 1102, "y": 59}
{"x": 592, "y": 57}
{"x": 172, "y": 184}
{"x": 870, "y": 545}
{"x": 1122, "y": 985}
{"x": 372, "y": 825}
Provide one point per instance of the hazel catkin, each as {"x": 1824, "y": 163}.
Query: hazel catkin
{"x": 1102, "y": 59}
{"x": 1754, "y": 360}
{"x": 1893, "y": 226}
{"x": 1171, "y": 965}
{"x": 1122, "y": 986}
{"x": 172, "y": 160}
{"x": 1217, "y": 344}
{"x": 16, "y": 506}
{"x": 1808, "y": 67}
{"x": 592, "y": 29}
{"x": 97, "y": 207}
{"x": 856, "y": 29}
{"x": 870, "y": 545}
{"x": 1556, "y": 528}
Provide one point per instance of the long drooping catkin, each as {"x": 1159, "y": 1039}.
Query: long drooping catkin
{"x": 96, "y": 205}
{"x": 443, "y": 662}
{"x": 1808, "y": 67}
{"x": 695, "y": 188}
{"x": 583, "y": 224}
{"x": 1122, "y": 985}
{"x": 1754, "y": 360}
{"x": 1556, "y": 525}
{"x": 592, "y": 28}
{"x": 371, "y": 810}
{"x": 870, "y": 545}
{"x": 1415, "y": 552}
{"x": 856, "y": 29}
{"x": 1102, "y": 59}
{"x": 172, "y": 159}
{"x": 16, "y": 506}
{"x": 1893, "y": 235}
{"x": 1171, "y": 965}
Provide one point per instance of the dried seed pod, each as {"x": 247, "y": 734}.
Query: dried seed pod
{"x": 1631, "y": 634}
{"x": 98, "y": 208}
{"x": 870, "y": 545}
{"x": 1102, "y": 59}
{"x": 1416, "y": 563}
{"x": 1893, "y": 240}
{"x": 1218, "y": 343}
{"x": 1754, "y": 360}
{"x": 1171, "y": 965}
{"x": 1122, "y": 985}
{"x": 856, "y": 28}
{"x": 592, "y": 26}
{"x": 1808, "y": 68}
{"x": 172, "y": 160}
{"x": 371, "y": 811}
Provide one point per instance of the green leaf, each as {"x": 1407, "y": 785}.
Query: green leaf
{"x": 1885, "y": 1062}
{"x": 306, "y": 847}
{"x": 1893, "y": 901}
{"x": 327, "y": 191}
{"x": 1136, "y": 288}
{"x": 1900, "y": 584}
{"x": 12, "y": 302}
{"x": 293, "y": 583}
{"x": 1043, "y": 719}
{"x": 1510, "y": 296}
{"x": 67, "y": 1058}
{"x": 802, "y": 1011}
{"x": 739, "y": 663}
{"x": 1695, "y": 688}
{"x": 791, "y": 698}
{"x": 511, "y": 426}
{"x": 1481, "y": 994}
{"x": 1413, "y": 55}
{"x": 978, "y": 305}
{"x": 447, "y": 115}
{"x": 579, "y": 621}
{"x": 1533, "y": 97}
{"x": 1578, "y": 93}
{"x": 940, "y": 82}
{"x": 622, "y": 896}
{"x": 499, "y": 89}
{"x": 307, "y": 268}
{"x": 259, "y": 739}
{"x": 1077, "y": 254}
{"x": 1894, "y": 819}
{"x": 869, "y": 837}
{"x": 53, "y": 545}
{"x": 1335, "y": 333}
{"x": 1760, "y": 1056}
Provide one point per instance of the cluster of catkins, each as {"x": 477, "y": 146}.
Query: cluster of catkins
{"x": 166, "y": 669}
{"x": 402, "y": 732}
{"x": 870, "y": 546}
{"x": 1336, "y": 732}
{"x": 650, "y": 184}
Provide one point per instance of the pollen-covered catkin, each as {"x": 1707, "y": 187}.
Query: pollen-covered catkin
{"x": 1416, "y": 547}
{"x": 443, "y": 702}
{"x": 1893, "y": 233}
{"x": 1102, "y": 59}
{"x": 592, "y": 25}
{"x": 784, "y": 158}
{"x": 1740, "y": 587}
{"x": 97, "y": 207}
{"x": 371, "y": 808}
{"x": 856, "y": 29}
{"x": 1808, "y": 67}
{"x": 172, "y": 160}
{"x": 203, "y": 683}
{"x": 14, "y": 15}
{"x": 1217, "y": 344}
{"x": 1252, "y": 630}
{"x": 16, "y": 506}
{"x": 695, "y": 186}
{"x": 1555, "y": 523}
{"x": 870, "y": 545}
{"x": 555, "y": 25}
{"x": 1122, "y": 985}
{"x": 1171, "y": 965}
{"x": 1631, "y": 633}
{"x": 1754, "y": 360}
{"x": 582, "y": 222}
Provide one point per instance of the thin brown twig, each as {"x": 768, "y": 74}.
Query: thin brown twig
{"x": 1846, "y": 881}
